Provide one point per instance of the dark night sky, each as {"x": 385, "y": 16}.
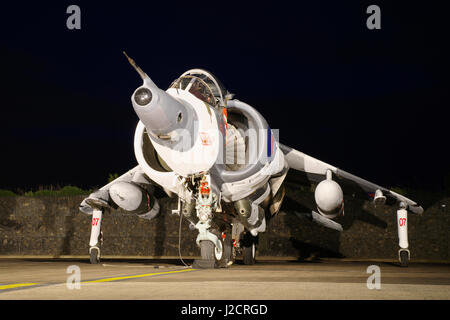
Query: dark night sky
{"x": 372, "y": 102}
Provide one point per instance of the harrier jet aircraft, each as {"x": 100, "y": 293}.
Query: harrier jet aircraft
{"x": 219, "y": 156}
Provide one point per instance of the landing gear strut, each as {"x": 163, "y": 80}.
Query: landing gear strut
{"x": 402, "y": 225}
{"x": 96, "y": 236}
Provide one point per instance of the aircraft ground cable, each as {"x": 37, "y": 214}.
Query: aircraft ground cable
{"x": 179, "y": 242}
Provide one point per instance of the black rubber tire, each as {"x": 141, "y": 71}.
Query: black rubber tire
{"x": 227, "y": 249}
{"x": 404, "y": 258}
{"x": 249, "y": 249}
{"x": 249, "y": 257}
{"x": 94, "y": 256}
{"x": 207, "y": 250}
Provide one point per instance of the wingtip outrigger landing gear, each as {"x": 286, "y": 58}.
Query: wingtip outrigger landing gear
{"x": 404, "y": 257}
{"x": 402, "y": 226}
{"x": 96, "y": 236}
{"x": 94, "y": 255}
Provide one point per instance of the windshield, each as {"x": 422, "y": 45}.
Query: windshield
{"x": 197, "y": 87}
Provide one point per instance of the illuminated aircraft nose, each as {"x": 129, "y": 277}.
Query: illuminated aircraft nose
{"x": 161, "y": 114}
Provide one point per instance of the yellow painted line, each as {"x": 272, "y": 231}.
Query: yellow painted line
{"x": 16, "y": 285}
{"x": 137, "y": 276}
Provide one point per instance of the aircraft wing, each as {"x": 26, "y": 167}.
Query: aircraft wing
{"x": 315, "y": 170}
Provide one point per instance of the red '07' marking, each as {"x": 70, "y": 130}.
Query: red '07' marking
{"x": 95, "y": 221}
{"x": 402, "y": 222}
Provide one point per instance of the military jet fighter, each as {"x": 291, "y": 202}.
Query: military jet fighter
{"x": 225, "y": 165}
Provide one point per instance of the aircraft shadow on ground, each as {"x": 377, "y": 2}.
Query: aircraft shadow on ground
{"x": 313, "y": 241}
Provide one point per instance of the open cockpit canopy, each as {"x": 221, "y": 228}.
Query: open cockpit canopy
{"x": 204, "y": 85}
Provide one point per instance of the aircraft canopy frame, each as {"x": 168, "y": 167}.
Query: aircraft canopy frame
{"x": 204, "y": 85}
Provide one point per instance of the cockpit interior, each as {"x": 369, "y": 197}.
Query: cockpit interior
{"x": 204, "y": 85}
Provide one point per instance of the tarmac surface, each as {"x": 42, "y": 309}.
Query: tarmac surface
{"x": 55, "y": 279}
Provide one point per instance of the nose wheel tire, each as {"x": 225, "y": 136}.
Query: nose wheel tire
{"x": 218, "y": 256}
{"x": 207, "y": 249}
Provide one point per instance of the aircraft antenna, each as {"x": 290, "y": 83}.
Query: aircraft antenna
{"x": 136, "y": 67}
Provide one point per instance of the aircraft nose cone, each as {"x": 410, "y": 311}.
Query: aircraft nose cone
{"x": 143, "y": 96}
{"x": 161, "y": 113}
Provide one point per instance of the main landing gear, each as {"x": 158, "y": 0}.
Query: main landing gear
{"x": 248, "y": 244}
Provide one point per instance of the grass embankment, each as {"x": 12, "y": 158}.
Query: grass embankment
{"x": 64, "y": 191}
